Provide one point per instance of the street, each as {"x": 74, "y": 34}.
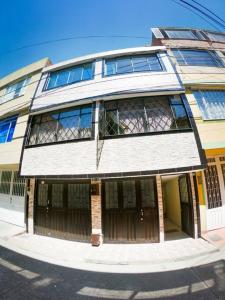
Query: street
{"x": 22, "y": 277}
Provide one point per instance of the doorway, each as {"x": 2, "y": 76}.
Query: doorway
{"x": 178, "y": 209}
{"x": 130, "y": 210}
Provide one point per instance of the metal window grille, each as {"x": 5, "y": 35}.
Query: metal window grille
{"x": 61, "y": 125}
{"x": 222, "y": 158}
{"x": 78, "y": 195}
{"x": 211, "y": 160}
{"x": 19, "y": 185}
{"x": 140, "y": 115}
{"x": 223, "y": 171}
{"x": 11, "y": 184}
{"x": 213, "y": 187}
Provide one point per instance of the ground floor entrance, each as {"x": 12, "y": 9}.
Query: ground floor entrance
{"x": 62, "y": 209}
{"x": 118, "y": 210}
{"x": 178, "y": 205}
{"x": 130, "y": 210}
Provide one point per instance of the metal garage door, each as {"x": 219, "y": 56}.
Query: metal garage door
{"x": 12, "y": 197}
{"x": 63, "y": 209}
{"x": 130, "y": 210}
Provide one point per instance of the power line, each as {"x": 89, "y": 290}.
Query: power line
{"x": 197, "y": 14}
{"x": 209, "y": 10}
{"x": 204, "y": 13}
{"x": 74, "y": 38}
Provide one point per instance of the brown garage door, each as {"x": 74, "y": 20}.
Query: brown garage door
{"x": 130, "y": 210}
{"x": 62, "y": 210}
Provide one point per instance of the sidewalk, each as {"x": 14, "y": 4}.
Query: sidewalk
{"x": 121, "y": 258}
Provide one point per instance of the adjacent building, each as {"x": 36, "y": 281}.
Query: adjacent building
{"x": 112, "y": 150}
{"x": 199, "y": 58}
{"x": 16, "y": 92}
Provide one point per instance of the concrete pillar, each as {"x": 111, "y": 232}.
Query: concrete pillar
{"x": 30, "y": 213}
{"x": 195, "y": 217}
{"x": 160, "y": 208}
{"x": 96, "y": 213}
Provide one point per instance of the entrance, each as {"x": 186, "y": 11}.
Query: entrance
{"x": 178, "y": 209}
{"x": 62, "y": 210}
{"x": 130, "y": 210}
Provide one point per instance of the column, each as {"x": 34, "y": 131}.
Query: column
{"x": 160, "y": 208}
{"x": 96, "y": 213}
{"x": 30, "y": 210}
{"x": 194, "y": 203}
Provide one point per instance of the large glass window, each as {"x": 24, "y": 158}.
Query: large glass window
{"x": 64, "y": 125}
{"x": 70, "y": 75}
{"x": 186, "y": 57}
{"x": 7, "y": 127}
{"x": 211, "y": 104}
{"x": 216, "y": 37}
{"x": 181, "y": 34}
{"x": 14, "y": 90}
{"x": 140, "y": 63}
{"x": 145, "y": 114}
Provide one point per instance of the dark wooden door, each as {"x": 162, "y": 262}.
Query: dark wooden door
{"x": 62, "y": 210}
{"x": 186, "y": 205}
{"x": 130, "y": 212}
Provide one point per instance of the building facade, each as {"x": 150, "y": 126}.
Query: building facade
{"x": 110, "y": 136}
{"x": 199, "y": 58}
{"x": 16, "y": 91}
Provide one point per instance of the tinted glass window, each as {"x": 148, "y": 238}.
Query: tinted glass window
{"x": 139, "y": 63}
{"x": 197, "y": 58}
{"x": 7, "y": 127}
{"x": 70, "y": 75}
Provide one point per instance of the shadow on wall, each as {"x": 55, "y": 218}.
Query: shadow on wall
{"x": 25, "y": 278}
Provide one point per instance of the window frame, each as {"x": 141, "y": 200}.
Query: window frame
{"x": 217, "y": 34}
{"x": 157, "y": 55}
{"x": 102, "y": 131}
{"x": 11, "y": 119}
{"x": 181, "y": 38}
{"x": 59, "y": 111}
{"x": 45, "y": 87}
{"x": 25, "y": 81}
{"x": 203, "y": 113}
{"x": 215, "y": 57}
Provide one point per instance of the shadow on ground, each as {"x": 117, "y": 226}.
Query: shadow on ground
{"x": 25, "y": 278}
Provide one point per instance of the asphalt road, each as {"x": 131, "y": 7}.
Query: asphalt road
{"x": 25, "y": 278}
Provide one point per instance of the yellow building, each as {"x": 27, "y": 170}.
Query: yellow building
{"x": 16, "y": 92}
{"x": 199, "y": 59}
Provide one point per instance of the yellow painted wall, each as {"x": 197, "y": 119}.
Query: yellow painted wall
{"x": 172, "y": 201}
{"x": 10, "y": 152}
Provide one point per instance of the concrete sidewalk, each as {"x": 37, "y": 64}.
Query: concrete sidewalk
{"x": 127, "y": 258}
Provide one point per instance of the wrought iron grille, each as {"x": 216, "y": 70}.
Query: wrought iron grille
{"x": 140, "y": 115}
{"x": 213, "y": 187}
{"x": 63, "y": 125}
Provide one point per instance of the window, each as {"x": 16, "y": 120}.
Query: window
{"x": 216, "y": 37}
{"x": 181, "y": 34}
{"x": 211, "y": 104}
{"x": 140, "y": 115}
{"x": 12, "y": 184}
{"x": 15, "y": 90}
{"x": 140, "y": 63}
{"x": 64, "y": 125}
{"x": 70, "y": 75}
{"x": 213, "y": 187}
{"x": 197, "y": 58}
{"x": 7, "y": 127}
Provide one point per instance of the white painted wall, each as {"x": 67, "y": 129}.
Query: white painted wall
{"x": 129, "y": 154}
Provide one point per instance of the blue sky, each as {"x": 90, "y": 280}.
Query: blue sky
{"x": 24, "y": 22}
